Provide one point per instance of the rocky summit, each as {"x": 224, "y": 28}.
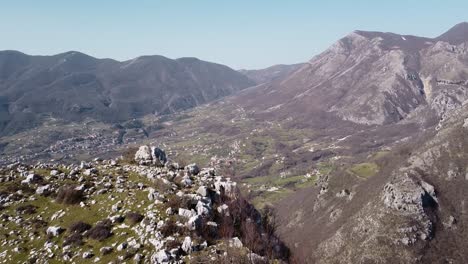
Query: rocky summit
{"x": 130, "y": 211}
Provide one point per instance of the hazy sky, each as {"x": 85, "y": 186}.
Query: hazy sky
{"x": 238, "y": 33}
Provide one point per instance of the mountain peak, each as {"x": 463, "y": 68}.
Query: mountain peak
{"x": 389, "y": 40}
{"x": 456, "y": 35}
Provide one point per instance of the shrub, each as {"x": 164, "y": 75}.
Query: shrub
{"x": 38, "y": 224}
{"x": 226, "y": 227}
{"x": 26, "y": 209}
{"x": 171, "y": 244}
{"x": 176, "y": 202}
{"x": 134, "y": 217}
{"x": 75, "y": 239}
{"x": 171, "y": 228}
{"x": 79, "y": 227}
{"x": 69, "y": 195}
{"x": 16, "y": 186}
{"x": 207, "y": 232}
{"x": 101, "y": 231}
{"x": 128, "y": 156}
{"x": 256, "y": 230}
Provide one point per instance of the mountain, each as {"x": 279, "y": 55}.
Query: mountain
{"x": 361, "y": 150}
{"x": 388, "y": 115}
{"x": 73, "y": 86}
{"x": 370, "y": 78}
{"x": 456, "y": 35}
{"x": 411, "y": 210}
{"x": 271, "y": 73}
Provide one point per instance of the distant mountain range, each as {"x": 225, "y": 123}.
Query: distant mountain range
{"x": 73, "y": 86}
{"x": 271, "y": 73}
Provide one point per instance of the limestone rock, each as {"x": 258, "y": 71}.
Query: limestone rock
{"x": 192, "y": 169}
{"x": 160, "y": 257}
{"x": 54, "y": 230}
{"x": 143, "y": 155}
{"x": 187, "y": 245}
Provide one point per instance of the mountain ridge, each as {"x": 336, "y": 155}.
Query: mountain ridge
{"x": 369, "y": 78}
{"x": 34, "y": 85}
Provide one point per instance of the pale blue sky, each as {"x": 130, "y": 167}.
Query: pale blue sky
{"x": 240, "y": 33}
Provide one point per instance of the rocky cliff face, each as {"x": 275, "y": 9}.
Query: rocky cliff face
{"x": 419, "y": 212}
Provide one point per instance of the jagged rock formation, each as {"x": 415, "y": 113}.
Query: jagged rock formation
{"x": 150, "y": 155}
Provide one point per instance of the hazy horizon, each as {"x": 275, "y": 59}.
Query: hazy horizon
{"x": 239, "y": 34}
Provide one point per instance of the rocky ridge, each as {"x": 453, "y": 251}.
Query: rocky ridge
{"x": 114, "y": 211}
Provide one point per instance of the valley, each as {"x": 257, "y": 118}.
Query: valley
{"x": 361, "y": 151}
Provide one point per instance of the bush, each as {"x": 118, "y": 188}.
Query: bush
{"x": 171, "y": 244}
{"x": 101, "y": 231}
{"x": 226, "y": 227}
{"x": 79, "y": 227}
{"x": 171, "y": 228}
{"x": 69, "y": 195}
{"x": 176, "y": 202}
{"x": 256, "y": 230}
{"x": 207, "y": 232}
{"x": 75, "y": 239}
{"x": 26, "y": 209}
{"x": 134, "y": 217}
{"x": 38, "y": 225}
{"x": 16, "y": 186}
{"x": 128, "y": 156}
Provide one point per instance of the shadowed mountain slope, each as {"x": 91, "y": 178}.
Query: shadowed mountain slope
{"x": 73, "y": 86}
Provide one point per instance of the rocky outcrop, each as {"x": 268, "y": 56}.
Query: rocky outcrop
{"x": 147, "y": 155}
{"x": 155, "y": 217}
{"x": 411, "y": 198}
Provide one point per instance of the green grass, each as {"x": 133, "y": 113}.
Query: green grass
{"x": 288, "y": 180}
{"x": 325, "y": 168}
{"x": 286, "y": 185}
{"x": 380, "y": 154}
{"x": 307, "y": 183}
{"x": 364, "y": 170}
{"x": 269, "y": 198}
{"x": 133, "y": 200}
